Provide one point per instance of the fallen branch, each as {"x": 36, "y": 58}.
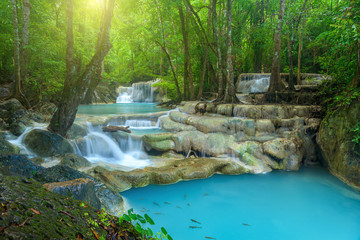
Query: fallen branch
{"x": 112, "y": 128}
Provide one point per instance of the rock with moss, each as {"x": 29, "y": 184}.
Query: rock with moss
{"x": 7, "y": 147}
{"x": 19, "y": 165}
{"x": 170, "y": 125}
{"x": 80, "y": 189}
{"x": 77, "y": 130}
{"x": 46, "y": 144}
{"x": 37, "y": 160}
{"x": 29, "y": 211}
{"x": 340, "y": 151}
{"x": 74, "y": 161}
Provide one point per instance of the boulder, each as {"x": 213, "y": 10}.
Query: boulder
{"x": 7, "y": 147}
{"x": 11, "y": 105}
{"x": 58, "y": 173}
{"x": 77, "y": 130}
{"x": 20, "y": 165}
{"x": 80, "y": 189}
{"x": 74, "y": 161}
{"x": 17, "y": 128}
{"x": 46, "y": 144}
{"x": 341, "y": 154}
{"x": 4, "y": 92}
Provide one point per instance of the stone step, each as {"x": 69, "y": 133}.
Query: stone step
{"x": 273, "y": 111}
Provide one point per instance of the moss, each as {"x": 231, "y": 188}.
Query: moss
{"x": 60, "y": 217}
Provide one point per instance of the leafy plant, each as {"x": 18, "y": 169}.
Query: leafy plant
{"x": 140, "y": 221}
{"x": 356, "y": 133}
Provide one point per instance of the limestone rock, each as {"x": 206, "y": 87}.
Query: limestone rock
{"x": 46, "y": 144}
{"x": 80, "y": 189}
{"x": 178, "y": 116}
{"x": 188, "y": 107}
{"x": 285, "y": 152}
{"x": 74, "y": 161}
{"x": 340, "y": 153}
{"x": 172, "y": 172}
{"x": 161, "y": 142}
{"x": 170, "y": 125}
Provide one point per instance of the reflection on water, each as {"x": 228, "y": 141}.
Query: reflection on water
{"x": 309, "y": 204}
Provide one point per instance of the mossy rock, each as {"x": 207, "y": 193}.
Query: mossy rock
{"x": 29, "y": 211}
{"x": 46, "y": 144}
{"x": 7, "y": 147}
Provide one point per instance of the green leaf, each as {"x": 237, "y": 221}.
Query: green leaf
{"x": 163, "y": 230}
{"x": 149, "y": 232}
{"x": 169, "y": 237}
{"x": 127, "y": 218}
{"x": 148, "y": 219}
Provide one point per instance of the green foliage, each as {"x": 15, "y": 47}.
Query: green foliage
{"x": 356, "y": 133}
{"x": 140, "y": 221}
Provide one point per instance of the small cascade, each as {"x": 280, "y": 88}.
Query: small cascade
{"x": 138, "y": 92}
{"x": 258, "y": 83}
{"x": 125, "y": 94}
{"x": 117, "y": 149}
{"x": 140, "y": 124}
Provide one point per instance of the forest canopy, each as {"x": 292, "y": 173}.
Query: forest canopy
{"x": 183, "y": 42}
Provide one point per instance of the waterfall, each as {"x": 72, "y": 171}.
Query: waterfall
{"x": 140, "y": 124}
{"x": 115, "y": 148}
{"x": 138, "y": 92}
{"x": 125, "y": 94}
{"x": 254, "y": 83}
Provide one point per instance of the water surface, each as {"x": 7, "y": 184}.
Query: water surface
{"x": 309, "y": 204}
{"x": 119, "y": 108}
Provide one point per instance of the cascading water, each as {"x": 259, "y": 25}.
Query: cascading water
{"x": 125, "y": 94}
{"x": 253, "y": 84}
{"x": 138, "y": 92}
{"x": 140, "y": 124}
{"x": 114, "y": 149}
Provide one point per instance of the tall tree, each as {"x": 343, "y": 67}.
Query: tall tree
{"x": 188, "y": 75}
{"x": 230, "y": 95}
{"x": 76, "y": 86}
{"x": 20, "y": 48}
{"x": 275, "y": 81}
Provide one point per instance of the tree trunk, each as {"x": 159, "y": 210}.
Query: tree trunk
{"x": 74, "y": 89}
{"x": 187, "y": 62}
{"x": 230, "y": 93}
{"x": 275, "y": 81}
{"x": 290, "y": 60}
{"x": 17, "y": 90}
{"x": 299, "y": 53}
{"x": 96, "y": 79}
{"x": 203, "y": 73}
{"x": 24, "y": 40}
{"x": 218, "y": 52}
{"x": 356, "y": 80}
{"x": 173, "y": 72}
